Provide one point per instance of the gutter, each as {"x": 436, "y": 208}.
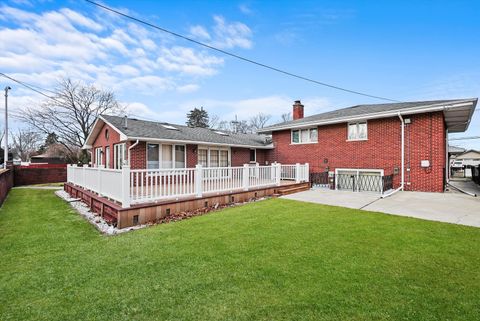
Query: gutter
{"x": 129, "y": 148}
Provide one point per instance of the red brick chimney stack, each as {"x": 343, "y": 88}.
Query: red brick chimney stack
{"x": 297, "y": 110}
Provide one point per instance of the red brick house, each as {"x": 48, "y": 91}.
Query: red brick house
{"x": 406, "y": 141}
{"x": 153, "y": 145}
{"x": 353, "y": 147}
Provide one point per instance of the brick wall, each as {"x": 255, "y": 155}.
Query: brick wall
{"x": 25, "y": 175}
{"x": 424, "y": 139}
{"x": 102, "y": 141}
{"x": 241, "y": 156}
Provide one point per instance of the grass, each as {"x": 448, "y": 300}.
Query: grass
{"x": 271, "y": 260}
{"x": 49, "y": 184}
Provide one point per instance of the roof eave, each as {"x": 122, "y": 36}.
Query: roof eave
{"x": 392, "y": 113}
{"x": 151, "y": 139}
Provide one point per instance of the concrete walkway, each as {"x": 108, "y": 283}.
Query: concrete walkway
{"x": 454, "y": 208}
{"x": 466, "y": 185}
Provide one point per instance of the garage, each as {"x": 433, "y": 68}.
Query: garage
{"x": 359, "y": 180}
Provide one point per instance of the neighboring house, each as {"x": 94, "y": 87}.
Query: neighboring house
{"x": 469, "y": 158}
{"x": 155, "y": 145}
{"x": 453, "y": 152}
{"x": 400, "y": 139}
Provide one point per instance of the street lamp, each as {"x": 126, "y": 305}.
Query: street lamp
{"x": 5, "y": 157}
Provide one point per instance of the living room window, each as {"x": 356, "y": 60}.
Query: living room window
{"x": 165, "y": 156}
{"x": 357, "y": 131}
{"x": 304, "y": 136}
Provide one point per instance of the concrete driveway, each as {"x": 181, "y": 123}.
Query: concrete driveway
{"x": 454, "y": 208}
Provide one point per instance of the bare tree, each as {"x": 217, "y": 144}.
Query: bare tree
{"x": 286, "y": 117}
{"x": 71, "y": 113}
{"x": 259, "y": 121}
{"x": 214, "y": 121}
{"x": 25, "y": 143}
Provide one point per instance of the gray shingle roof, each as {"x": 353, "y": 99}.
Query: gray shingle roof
{"x": 155, "y": 130}
{"x": 361, "y": 110}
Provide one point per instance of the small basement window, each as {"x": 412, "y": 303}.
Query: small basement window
{"x": 305, "y": 136}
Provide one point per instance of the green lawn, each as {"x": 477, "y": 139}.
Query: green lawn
{"x": 271, "y": 260}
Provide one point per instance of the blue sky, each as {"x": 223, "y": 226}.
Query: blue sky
{"x": 404, "y": 50}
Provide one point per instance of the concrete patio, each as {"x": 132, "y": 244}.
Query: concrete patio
{"x": 457, "y": 208}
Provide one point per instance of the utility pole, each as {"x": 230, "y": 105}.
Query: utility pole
{"x": 5, "y": 157}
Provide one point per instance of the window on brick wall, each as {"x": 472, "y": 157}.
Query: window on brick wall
{"x": 203, "y": 157}
{"x": 166, "y": 156}
{"x": 119, "y": 155}
{"x": 98, "y": 156}
{"x": 213, "y": 157}
{"x": 357, "y": 131}
{"x": 304, "y": 136}
{"x": 253, "y": 155}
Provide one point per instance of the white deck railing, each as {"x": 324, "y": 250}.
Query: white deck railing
{"x": 133, "y": 186}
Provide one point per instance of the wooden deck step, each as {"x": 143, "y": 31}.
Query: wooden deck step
{"x": 292, "y": 189}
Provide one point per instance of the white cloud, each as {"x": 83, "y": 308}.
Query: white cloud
{"x": 188, "y": 61}
{"x": 224, "y": 34}
{"x": 200, "y": 32}
{"x": 245, "y": 9}
{"x": 189, "y": 88}
{"x": 42, "y": 47}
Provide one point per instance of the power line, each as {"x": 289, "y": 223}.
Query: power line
{"x": 235, "y": 55}
{"x": 31, "y": 87}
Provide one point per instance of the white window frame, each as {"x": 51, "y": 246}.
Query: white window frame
{"x": 357, "y": 123}
{"x": 116, "y": 150}
{"x": 160, "y": 159}
{"x": 209, "y": 148}
{"x": 98, "y": 156}
{"x": 107, "y": 156}
{"x": 300, "y": 136}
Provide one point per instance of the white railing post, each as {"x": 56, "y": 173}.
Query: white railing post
{"x": 83, "y": 177}
{"x": 297, "y": 173}
{"x": 245, "y": 177}
{"x": 307, "y": 172}
{"x": 126, "y": 186}
{"x": 278, "y": 171}
{"x": 273, "y": 171}
{"x": 99, "y": 179}
{"x": 74, "y": 174}
{"x": 198, "y": 180}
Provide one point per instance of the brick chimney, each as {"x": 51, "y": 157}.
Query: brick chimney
{"x": 297, "y": 110}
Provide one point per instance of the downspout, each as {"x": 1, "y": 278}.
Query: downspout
{"x": 447, "y": 161}
{"x": 403, "y": 159}
{"x": 129, "y": 148}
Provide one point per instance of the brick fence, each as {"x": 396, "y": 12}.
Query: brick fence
{"x": 29, "y": 175}
{"x": 6, "y": 183}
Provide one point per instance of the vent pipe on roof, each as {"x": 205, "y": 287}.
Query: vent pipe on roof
{"x": 125, "y": 122}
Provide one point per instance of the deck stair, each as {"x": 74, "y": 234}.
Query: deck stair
{"x": 290, "y": 189}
